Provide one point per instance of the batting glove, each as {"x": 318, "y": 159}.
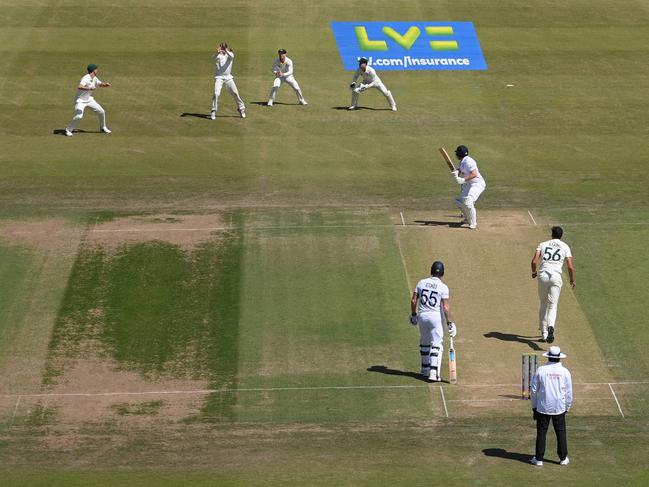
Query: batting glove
{"x": 455, "y": 174}
{"x": 352, "y": 86}
{"x": 452, "y": 329}
{"x": 459, "y": 180}
{"x": 413, "y": 319}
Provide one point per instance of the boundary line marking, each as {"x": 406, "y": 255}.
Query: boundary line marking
{"x": 441, "y": 391}
{"x": 616, "y": 401}
{"x": 297, "y": 388}
{"x": 532, "y": 217}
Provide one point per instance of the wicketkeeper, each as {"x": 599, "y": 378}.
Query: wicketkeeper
{"x": 370, "y": 80}
{"x": 429, "y": 309}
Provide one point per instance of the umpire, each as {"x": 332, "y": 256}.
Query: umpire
{"x": 551, "y": 400}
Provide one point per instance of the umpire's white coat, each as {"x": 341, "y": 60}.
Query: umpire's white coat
{"x": 552, "y": 389}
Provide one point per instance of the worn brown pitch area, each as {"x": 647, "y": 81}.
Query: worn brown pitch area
{"x": 494, "y": 302}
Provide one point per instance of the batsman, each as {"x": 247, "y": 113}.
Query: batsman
{"x": 473, "y": 184}
{"x": 429, "y": 308}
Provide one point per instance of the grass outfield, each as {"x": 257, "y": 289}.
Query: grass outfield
{"x": 196, "y": 302}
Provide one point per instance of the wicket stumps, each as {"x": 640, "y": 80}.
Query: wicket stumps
{"x": 529, "y": 364}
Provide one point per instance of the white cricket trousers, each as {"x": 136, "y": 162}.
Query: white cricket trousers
{"x": 549, "y": 290}
{"x": 289, "y": 80}
{"x": 467, "y": 200}
{"x": 219, "y": 83}
{"x": 431, "y": 343}
{"x": 376, "y": 85}
{"x": 80, "y": 107}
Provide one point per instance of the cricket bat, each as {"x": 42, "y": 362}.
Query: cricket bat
{"x": 447, "y": 158}
{"x": 452, "y": 366}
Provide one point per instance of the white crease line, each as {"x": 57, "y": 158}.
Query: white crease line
{"x": 616, "y": 401}
{"x": 280, "y": 389}
{"x": 441, "y": 391}
{"x": 13, "y": 416}
{"x": 532, "y": 217}
{"x": 160, "y": 230}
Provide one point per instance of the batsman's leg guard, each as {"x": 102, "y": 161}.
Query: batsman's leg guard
{"x": 355, "y": 95}
{"x": 436, "y": 362}
{"x": 470, "y": 211}
{"x": 424, "y": 352}
{"x": 459, "y": 202}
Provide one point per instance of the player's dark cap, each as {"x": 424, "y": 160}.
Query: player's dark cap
{"x": 462, "y": 151}
{"x": 91, "y": 67}
{"x": 557, "y": 232}
{"x": 362, "y": 60}
{"x": 437, "y": 269}
{"x": 281, "y": 51}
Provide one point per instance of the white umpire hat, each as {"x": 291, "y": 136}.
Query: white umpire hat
{"x": 554, "y": 352}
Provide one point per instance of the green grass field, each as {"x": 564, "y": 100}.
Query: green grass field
{"x": 197, "y": 302}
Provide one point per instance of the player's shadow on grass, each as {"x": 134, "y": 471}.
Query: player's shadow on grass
{"x": 511, "y": 337}
{"x": 382, "y": 369}
{"x": 76, "y": 131}
{"x": 363, "y": 108}
{"x": 206, "y": 116}
{"x": 439, "y": 223}
{"x": 510, "y": 455}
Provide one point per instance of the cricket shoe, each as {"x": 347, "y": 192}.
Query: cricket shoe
{"x": 535, "y": 462}
{"x": 352, "y": 108}
{"x": 550, "y": 337}
{"x": 242, "y": 113}
{"x": 565, "y": 461}
{"x": 303, "y": 102}
{"x": 105, "y": 130}
{"x": 213, "y": 115}
{"x": 68, "y": 133}
{"x": 270, "y": 103}
{"x": 394, "y": 108}
{"x": 473, "y": 227}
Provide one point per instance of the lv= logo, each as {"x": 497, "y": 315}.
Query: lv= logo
{"x": 407, "y": 39}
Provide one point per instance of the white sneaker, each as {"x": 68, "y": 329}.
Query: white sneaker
{"x": 394, "y": 108}
{"x": 68, "y": 133}
{"x": 352, "y": 108}
{"x": 473, "y": 227}
{"x": 270, "y": 103}
{"x": 242, "y": 113}
{"x": 433, "y": 377}
{"x": 105, "y": 130}
{"x": 303, "y": 102}
{"x": 565, "y": 461}
{"x": 213, "y": 115}
{"x": 535, "y": 462}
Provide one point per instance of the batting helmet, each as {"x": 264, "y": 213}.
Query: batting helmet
{"x": 362, "y": 60}
{"x": 462, "y": 151}
{"x": 437, "y": 269}
{"x": 281, "y": 51}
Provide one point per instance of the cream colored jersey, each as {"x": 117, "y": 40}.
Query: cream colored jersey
{"x": 430, "y": 292}
{"x": 369, "y": 76}
{"x": 85, "y": 96}
{"x": 467, "y": 166}
{"x": 285, "y": 67}
{"x": 553, "y": 253}
{"x": 223, "y": 64}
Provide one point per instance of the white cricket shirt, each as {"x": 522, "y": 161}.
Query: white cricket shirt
{"x": 85, "y": 96}
{"x": 430, "y": 292}
{"x": 285, "y": 67}
{"x": 223, "y": 64}
{"x": 369, "y": 76}
{"x": 553, "y": 253}
{"x": 552, "y": 389}
{"x": 467, "y": 166}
